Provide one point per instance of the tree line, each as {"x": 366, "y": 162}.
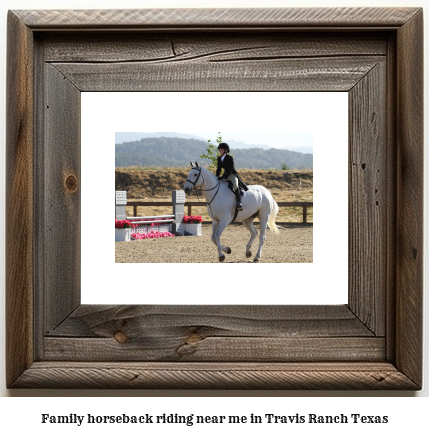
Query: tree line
{"x": 177, "y": 152}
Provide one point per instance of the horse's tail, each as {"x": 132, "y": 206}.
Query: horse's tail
{"x": 272, "y": 219}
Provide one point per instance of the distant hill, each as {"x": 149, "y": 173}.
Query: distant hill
{"x": 121, "y": 137}
{"x": 240, "y": 144}
{"x": 177, "y": 152}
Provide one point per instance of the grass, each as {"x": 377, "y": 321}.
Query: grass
{"x": 155, "y": 184}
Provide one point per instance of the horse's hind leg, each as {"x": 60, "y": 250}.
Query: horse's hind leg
{"x": 216, "y": 240}
{"x": 248, "y": 223}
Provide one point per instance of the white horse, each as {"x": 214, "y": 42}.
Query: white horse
{"x": 221, "y": 202}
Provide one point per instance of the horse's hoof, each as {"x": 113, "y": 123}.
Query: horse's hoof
{"x": 228, "y": 250}
{"x": 221, "y": 259}
{"x": 255, "y": 260}
{"x": 249, "y": 254}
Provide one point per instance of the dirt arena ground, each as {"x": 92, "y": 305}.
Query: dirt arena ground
{"x": 294, "y": 244}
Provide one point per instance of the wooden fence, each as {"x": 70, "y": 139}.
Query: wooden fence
{"x": 136, "y": 203}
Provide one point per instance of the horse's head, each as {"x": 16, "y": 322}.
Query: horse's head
{"x": 194, "y": 178}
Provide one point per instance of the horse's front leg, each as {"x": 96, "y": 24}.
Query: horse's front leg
{"x": 214, "y": 228}
{"x": 220, "y": 227}
{"x": 262, "y": 237}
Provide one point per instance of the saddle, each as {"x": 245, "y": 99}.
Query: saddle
{"x": 241, "y": 190}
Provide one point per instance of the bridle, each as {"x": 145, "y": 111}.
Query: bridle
{"x": 204, "y": 190}
{"x": 199, "y": 174}
{"x": 196, "y": 168}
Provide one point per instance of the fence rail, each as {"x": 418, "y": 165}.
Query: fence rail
{"x": 136, "y": 203}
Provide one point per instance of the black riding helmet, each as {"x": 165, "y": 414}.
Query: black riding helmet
{"x": 224, "y": 145}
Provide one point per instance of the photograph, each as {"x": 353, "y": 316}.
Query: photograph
{"x": 230, "y": 195}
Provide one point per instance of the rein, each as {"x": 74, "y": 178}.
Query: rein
{"x": 205, "y": 190}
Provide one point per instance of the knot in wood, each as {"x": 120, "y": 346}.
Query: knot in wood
{"x": 193, "y": 338}
{"x": 71, "y": 183}
{"x": 120, "y": 337}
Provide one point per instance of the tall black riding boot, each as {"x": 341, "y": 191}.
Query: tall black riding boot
{"x": 237, "y": 196}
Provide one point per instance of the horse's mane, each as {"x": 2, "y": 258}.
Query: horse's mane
{"x": 206, "y": 171}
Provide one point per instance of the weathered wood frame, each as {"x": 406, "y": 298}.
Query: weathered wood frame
{"x": 373, "y": 342}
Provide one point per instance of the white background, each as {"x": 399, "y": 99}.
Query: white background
{"x": 324, "y": 113}
{"x": 24, "y": 414}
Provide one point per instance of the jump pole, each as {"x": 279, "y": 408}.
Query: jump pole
{"x": 173, "y": 223}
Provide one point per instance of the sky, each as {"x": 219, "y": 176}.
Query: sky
{"x": 272, "y": 139}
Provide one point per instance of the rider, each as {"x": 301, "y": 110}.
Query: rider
{"x": 226, "y": 162}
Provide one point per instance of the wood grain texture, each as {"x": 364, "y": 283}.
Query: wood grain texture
{"x": 391, "y": 193}
{"x": 301, "y": 74}
{"x": 409, "y": 278}
{"x": 61, "y": 186}
{"x": 213, "y": 333}
{"x": 181, "y": 19}
{"x": 39, "y": 201}
{"x": 349, "y": 347}
{"x": 19, "y": 200}
{"x": 99, "y": 321}
{"x": 368, "y": 202}
{"x": 209, "y": 47}
{"x": 249, "y": 376}
{"x": 193, "y": 348}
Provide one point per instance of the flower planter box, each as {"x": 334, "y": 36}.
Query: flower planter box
{"x": 193, "y": 229}
{"x": 122, "y": 235}
{"x": 142, "y": 229}
{"x": 161, "y": 228}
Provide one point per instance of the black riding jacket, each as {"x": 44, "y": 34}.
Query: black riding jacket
{"x": 227, "y": 165}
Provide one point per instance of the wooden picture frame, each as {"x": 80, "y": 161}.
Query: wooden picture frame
{"x": 373, "y": 342}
